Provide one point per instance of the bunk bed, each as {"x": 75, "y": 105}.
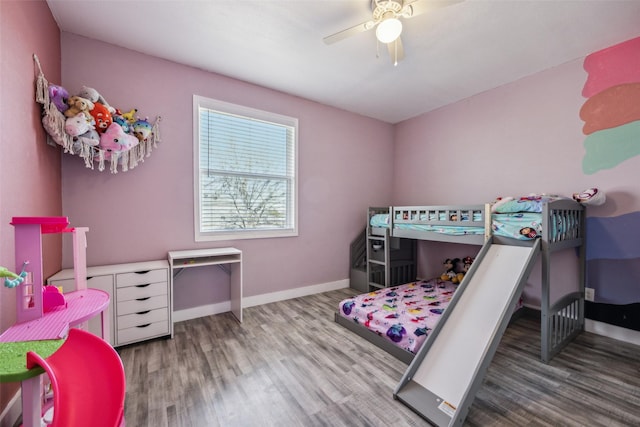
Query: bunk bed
{"x": 557, "y": 222}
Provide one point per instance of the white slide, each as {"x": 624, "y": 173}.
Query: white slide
{"x": 442, "y": 380}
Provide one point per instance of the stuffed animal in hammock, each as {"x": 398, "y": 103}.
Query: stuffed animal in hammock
{"x": 77, "y": 125}
{"x": 94, "y": 96}
{"x": 102, "y": 117}
{"x": 79, "y": 105}
{"x": 115, "y": 140}
{"x": 59, "y": 96}
{"x": 142, "y": 129}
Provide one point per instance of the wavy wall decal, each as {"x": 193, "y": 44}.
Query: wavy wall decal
{"x": 612, "y": 111}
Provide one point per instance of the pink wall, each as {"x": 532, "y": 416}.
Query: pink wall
{"x": 344, "y": 166}
{"x": 29, "y": 168}
{"x": 523, "y": 137}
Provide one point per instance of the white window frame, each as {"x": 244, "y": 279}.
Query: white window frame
{"x": 250, "y": 113}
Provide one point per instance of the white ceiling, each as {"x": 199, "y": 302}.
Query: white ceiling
{"x": 451, "y": 53}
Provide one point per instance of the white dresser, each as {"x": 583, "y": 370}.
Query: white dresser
{"x": 140, "y": 306}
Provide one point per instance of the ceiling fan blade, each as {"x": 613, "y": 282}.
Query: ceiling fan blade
{"x": 339, "y": 36}
{"x": 419, "y": 7}
{"x": 396, "y": 51}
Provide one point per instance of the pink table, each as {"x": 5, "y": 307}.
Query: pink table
{"x": 81, "y": 306}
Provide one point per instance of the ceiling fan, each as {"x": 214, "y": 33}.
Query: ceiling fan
{"x": 386, "y": 19}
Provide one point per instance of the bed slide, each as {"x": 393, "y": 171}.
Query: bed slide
{"x": 441, "y": 382}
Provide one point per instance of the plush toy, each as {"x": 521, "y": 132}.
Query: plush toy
{"x": 142, "y": 129}
{"x": 130, "y": 116}
{"x": 590, "y": 196}
{"x": 449, "y": 273}
{"x": 59, "y": 96}
{"x": 117, "y": 118}
{"x": 77, "y": 125}
{"x": 94, "y": 96}
{"x": 90, "y": 138}
{"x": 102, "y": 116}
{"x": 79, "y": 105}
{"x": 465, "y": 265}
{"x": 114, "y": 139}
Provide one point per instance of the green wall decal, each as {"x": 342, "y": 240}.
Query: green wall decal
{"x": 610, "y": 147}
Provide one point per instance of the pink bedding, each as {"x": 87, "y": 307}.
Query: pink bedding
{"x": 403, "y": 314}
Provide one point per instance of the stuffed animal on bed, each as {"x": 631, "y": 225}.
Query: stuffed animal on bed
{"x": 450, "y": 273}
{"x": 465, "y": 266}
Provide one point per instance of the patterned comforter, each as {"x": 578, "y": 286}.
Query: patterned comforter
{"x": 403, "y": 314}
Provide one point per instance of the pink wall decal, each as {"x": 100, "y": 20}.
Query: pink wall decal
{"x": 612, "y": 66}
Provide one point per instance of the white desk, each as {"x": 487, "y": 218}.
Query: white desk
{"x": 223, "y": 257}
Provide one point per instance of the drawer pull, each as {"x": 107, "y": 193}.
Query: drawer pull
{"x": 142, "y": 272}
{"x": 143, "y": 286}
{"x": 144, "y": 312}
{"x": 142, "y": 299}
{"x": 143, "y": 326}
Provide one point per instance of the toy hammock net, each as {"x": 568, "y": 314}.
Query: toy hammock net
{"x": 91, "y": 151}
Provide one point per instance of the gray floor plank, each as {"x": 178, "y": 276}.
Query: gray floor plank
{"x": 290, "y": 364}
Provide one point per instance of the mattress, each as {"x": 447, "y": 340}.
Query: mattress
{"x": 405, "y": 314}
{"x": 516, "y": 225}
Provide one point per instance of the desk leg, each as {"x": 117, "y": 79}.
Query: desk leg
{"x": 236, "y": 289}
{"x": 32, "y": 401}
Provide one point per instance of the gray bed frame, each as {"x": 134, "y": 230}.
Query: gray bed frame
{"x": 560, "y": 321}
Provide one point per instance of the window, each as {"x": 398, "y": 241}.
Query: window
{"x": 245, "y": 166}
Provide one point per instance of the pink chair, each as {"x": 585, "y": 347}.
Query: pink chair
{"x": 88, "y": 382}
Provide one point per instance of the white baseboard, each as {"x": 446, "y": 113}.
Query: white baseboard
{"x": 223, "y": 307}
{"x": 12, "y": 412}
{"x": 201, "y": 311}
{"x": 611, "y": 331}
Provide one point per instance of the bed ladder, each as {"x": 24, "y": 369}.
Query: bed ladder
{"x": 358, "y": 263}
{"x": 441, "y": 382}
{"x": 391, "y": 261}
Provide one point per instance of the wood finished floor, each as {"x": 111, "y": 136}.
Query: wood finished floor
{"x": 290, "y": 364}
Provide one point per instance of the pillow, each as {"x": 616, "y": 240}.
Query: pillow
{"x": 532, "y": 203}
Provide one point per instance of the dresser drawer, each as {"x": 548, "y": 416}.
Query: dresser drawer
{"x": 104, "y": 283}
{"x": 141, "y": 291}
{"x": 143, "y": 332}
{"x": 141, "y": 278}
{"x": 143, "y": 318}
{"x": 141, "y": 304}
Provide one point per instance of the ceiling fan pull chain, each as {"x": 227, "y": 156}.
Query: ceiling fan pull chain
{"x": 395, "y": 53}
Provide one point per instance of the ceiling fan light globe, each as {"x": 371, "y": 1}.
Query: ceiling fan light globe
{"x": 388, "y": 30}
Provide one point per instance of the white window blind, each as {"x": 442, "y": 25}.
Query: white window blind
{"x": 246, "y": 172}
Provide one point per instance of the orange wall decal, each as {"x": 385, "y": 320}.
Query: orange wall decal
{"x": 612, "y": 107}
